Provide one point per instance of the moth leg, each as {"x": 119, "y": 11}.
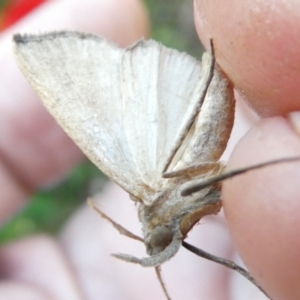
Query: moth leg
{"x": 197, "y": 170}
{"x": 225, "y": 262}
{"x": 162, "y": 284}
{"x": 117, "y": 226}
{"x": 157, "y": 259}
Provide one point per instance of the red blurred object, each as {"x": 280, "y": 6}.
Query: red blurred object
{"x": 13, "y": 10}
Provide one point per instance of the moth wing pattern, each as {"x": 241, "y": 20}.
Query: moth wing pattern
{"x": 74, "y": 75}
{"x": 125, "y": 108}
{"x": 161, "y": 90}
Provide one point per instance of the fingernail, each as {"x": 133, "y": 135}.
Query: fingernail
{"x": 294, "y": 118}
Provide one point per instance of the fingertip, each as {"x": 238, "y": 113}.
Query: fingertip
{"x": 262, "y": 207}
{"x": 257, "y": 46}
{"x": 123, "y": 21}
{"x": 31, "y": 262}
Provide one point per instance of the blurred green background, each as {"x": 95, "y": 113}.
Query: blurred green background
{"x": 173, "y": 25}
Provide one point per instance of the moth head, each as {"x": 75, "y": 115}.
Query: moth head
{"x": 160, "y": 238}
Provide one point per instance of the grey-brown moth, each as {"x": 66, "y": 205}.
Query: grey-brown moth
{"x": 154, "y": 120}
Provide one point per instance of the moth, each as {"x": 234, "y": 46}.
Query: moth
{"x": 154, "y": 120}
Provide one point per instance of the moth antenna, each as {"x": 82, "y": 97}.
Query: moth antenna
{"x": 117, "y": 226}
{"x": 154, "y": 260}
{"x": 212, "y": 48}
{"x": 192, "y": 119}
{"x": 229, "y": 174}
{"x": 162, "y": 284}
{"x": 225, "y": 262}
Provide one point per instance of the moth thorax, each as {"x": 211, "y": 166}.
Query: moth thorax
{"x": 160, "y": 237}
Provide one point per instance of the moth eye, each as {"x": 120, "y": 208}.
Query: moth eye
{"x": 161, "y": 236}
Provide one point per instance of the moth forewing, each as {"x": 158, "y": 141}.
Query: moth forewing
{"x": 61, "y": 68}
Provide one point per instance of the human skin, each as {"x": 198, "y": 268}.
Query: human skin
{"x": 258, "y": 48}
{"x": 34, "y": 155}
